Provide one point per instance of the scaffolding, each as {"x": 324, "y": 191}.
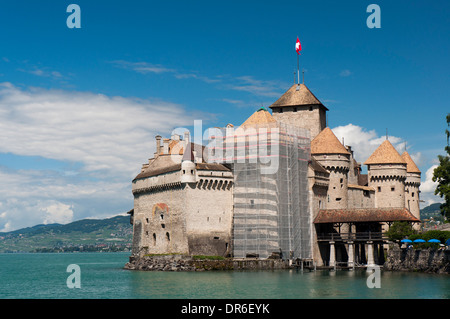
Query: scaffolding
{"x": 270, "y": 167}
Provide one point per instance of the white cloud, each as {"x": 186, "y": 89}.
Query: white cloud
{"x": 428, "y": 185}
{"x": 427, "y": 189}
{"x": 142, "y": 67}
{"x": 109, "y": 134}
{"x": 145, "y": 68}
{"x": 363, "y": 141}
{"x": 107, "y": 138}
{"x": 43, "y": 72}
{"x": 256, "y": 87}
{"x": 345, "y": 73}
{"x": 57, "y": 213}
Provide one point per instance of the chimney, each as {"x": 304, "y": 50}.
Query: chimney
{"x": 158, "y": 144}
{"x": 166, "y": 145}
{"x": 186, "y": 137}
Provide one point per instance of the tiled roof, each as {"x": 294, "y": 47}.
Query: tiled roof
{"x": 385, "y": 154}
{"x": 158, "y": 171}
{"x": 411, "y": 167}
{"x": 315, "y": 165}
{"x": 327, "y": 143}
{"x": 262, "y": 116}
{"x": 211, "y": 167}
{"x": 188, "y": 155}
{"x": 364, "y": 215}
{"x": 366, "y": 188}
{"x": 293, "y": 97}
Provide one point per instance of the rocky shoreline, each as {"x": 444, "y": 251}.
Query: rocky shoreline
{"x": 421, "y": 260}
{"x": 189, "y": 263}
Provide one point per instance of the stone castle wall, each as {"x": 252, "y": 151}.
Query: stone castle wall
{"x": 425, "y": 260}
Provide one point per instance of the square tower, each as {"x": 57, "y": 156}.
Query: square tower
{"x": 299, "y": 107}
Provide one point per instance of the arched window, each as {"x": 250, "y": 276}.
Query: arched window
{"x": 168, "y": 236}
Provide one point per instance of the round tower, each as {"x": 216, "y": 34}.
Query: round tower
{"x": 412, "y": 185}
{"x": 387, "y": 175}
{"x": 188, "y": 169}
{"x": 332, "y": 155}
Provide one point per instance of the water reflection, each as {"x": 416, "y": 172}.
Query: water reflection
{"x": 292, "y": 284}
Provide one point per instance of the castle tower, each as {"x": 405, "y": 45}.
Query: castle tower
{"x": 387, "y": 175}
{"x": 333, "y": 156}
{"x": 299, "y": 107}
{"x": 412, "y": 184}
{"x": 188, "y": 165}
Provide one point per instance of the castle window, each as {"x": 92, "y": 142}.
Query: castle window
{"x": 192, "y": 172}
{"x": 163, "y": 225}
{"x": 341, "y": 180}
{"x": 392, "y": 189}
{"x": 379, "y": 188}
{"x": 146, "y": 220}
{"x": 216, "y": 237}
{"x": 184, "y": 172}
{"x": 338, "y": 199}
{"x": 154, "y": 239}
{"x": 168, "y": 236}
{"x": 310, "y": 108}
{"x": 412, "y": 194}
{"x": 252, "y": 203}
{"x": 162, "y": 216}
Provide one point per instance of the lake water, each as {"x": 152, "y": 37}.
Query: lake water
{"x": 102, "y": 276}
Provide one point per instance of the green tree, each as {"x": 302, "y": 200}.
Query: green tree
{"x": 400, "y": 230}
{"x": 441, "y": 175}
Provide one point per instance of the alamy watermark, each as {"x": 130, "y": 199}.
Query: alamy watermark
{"x": 374, "y": 279}
{"x": 250, "y": 144}
{"x": 74, "y": 279}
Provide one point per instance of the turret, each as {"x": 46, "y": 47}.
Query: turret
{"x": 188, "y": 170}
{"x": 333, "y": 156}
{"x": 412, "y": 185}
{"x": 387, "y": 175}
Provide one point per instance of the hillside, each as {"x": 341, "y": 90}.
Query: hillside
{"x": 431, "y": 211}
{"x": 112, "y": 234}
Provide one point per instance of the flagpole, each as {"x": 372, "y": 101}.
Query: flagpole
{"x": 298, "y": 70}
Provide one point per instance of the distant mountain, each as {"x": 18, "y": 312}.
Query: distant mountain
{"x": 434, "y": 210}
{"x": 83, "y": 235}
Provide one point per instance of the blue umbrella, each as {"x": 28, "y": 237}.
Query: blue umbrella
{"x": 434, "y": 241}
{"x": 406, "y": 241}
{"x": 448, "y": 242}
{"x": 419, "y": 241}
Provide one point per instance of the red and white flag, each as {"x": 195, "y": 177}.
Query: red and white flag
{"x": 298, "y": 46}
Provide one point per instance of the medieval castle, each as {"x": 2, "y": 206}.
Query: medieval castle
{"x": 316, "y": 206}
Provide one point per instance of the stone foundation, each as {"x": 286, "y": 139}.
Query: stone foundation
{"x": 188, "y": 263}
{"x": 424, "y": 260}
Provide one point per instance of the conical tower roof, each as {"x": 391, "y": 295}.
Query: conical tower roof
{"x": 294, "y": 97}
{"x": 188, "y": 154}
{"x": 385, "y": 154}
{"x": 411, "y": 167}
{"x": 327, "y": 143}
{"x": 262, "y": 116}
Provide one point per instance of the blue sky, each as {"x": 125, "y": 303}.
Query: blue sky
{"x": 79, "y": 108}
